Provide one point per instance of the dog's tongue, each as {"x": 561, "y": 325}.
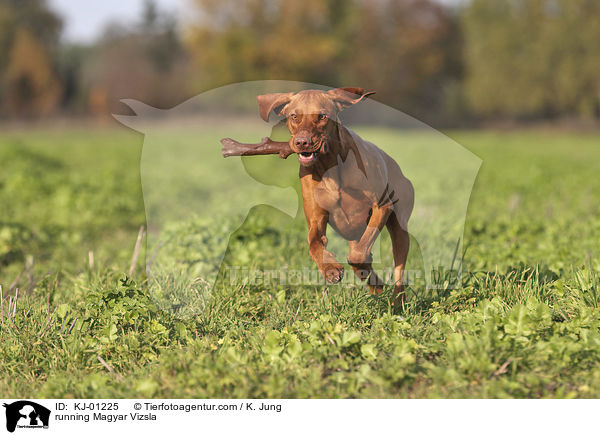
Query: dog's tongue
{"x": 306, "y": 157}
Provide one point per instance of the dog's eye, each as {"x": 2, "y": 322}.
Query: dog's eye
{"x": 322, "y": 116}
{"x": 293, "y": 116}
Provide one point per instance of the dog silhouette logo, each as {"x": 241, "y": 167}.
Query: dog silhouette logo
{"x": 26, "y": 414}
{"x": 197, "y": 202}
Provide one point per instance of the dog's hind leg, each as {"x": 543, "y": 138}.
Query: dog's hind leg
{"x": 365, "y": 271}
{"x": 360, "y": 257}
{"x": 400, "y": 247}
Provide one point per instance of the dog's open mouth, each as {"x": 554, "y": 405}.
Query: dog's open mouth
{"x": 308, "y": 157}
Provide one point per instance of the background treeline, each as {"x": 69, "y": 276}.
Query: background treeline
{"x": 478, "y": 60}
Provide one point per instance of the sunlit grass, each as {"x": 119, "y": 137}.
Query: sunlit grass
{"x": 525, "y": 322}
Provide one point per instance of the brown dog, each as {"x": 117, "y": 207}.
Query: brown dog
{"x": 346, "y": 182}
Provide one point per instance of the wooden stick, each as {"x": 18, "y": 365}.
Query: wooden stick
{"x": 14, "y": 284}
{"x": 136, "y": 251}
{"x": 297, "y": 311}
{"x": 109, "y": 368}
{"x": 15, "y": 300}
{"x": 72, "y": 324}
{"x": 232, "y": 147}
{"x": 29, "y": 262}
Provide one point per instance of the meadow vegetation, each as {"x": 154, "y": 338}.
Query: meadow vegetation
{"x": 524, "y": 324}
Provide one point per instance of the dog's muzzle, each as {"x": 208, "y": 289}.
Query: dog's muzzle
{"x": 309, "y": 157}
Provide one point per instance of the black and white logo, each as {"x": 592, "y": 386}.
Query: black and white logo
{"x": 25, "y": 414}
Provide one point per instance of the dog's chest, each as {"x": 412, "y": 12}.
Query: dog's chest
{"x": 346, "y": 202}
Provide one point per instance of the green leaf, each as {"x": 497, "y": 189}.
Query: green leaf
{"x": 350, "y": 337}
{"x": 111, "y": 332}
{"x": 147, "y": 387}
{"x": 181, "y": 330}
{"x": 294, "y": 347}
{"x": 368, "y": 351}
{"x": 519, "y": 323}
{"x": 271, "y": 345}
{"x": 62, "y": 310}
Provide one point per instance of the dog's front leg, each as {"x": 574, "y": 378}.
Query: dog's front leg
{"x": 360, "y": 257}
{"x": 329, "y": 267}
{"x": 317, "y": 219}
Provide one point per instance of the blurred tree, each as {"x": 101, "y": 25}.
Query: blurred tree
{"x": 72, "y": 58}
{"x": 406, "y": 50}
{"x": 147, "y": 62}
{"x": 29, "y": 37}
{"x": 532, "y": 58}
{"x": 264, "y": 39}
{"x": 32, "y": 87}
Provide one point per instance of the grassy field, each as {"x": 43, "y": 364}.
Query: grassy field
{"x": 524, "y": 324}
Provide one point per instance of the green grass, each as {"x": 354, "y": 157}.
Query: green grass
{"x": 524, "y": 324}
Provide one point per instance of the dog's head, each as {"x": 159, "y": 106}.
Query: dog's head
{"x": 311, "y": 116}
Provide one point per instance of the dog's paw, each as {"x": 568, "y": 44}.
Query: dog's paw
{"x": 359, "y": 259}
{"x": 332, "y": 272}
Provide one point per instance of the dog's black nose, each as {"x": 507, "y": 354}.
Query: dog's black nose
{"x": 302, "y": 142}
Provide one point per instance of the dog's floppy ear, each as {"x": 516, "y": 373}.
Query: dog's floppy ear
{"x": 272, "y": 103}
{"x": 346, "y": 97}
